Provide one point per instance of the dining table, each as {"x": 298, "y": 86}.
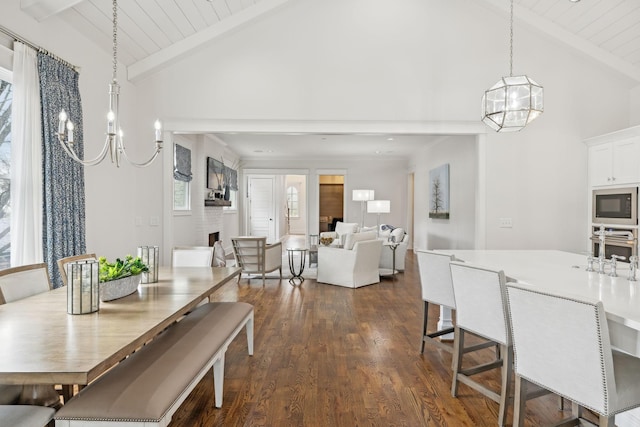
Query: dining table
{"x": 40, "y": 343}
{"x": 565, "y": 273}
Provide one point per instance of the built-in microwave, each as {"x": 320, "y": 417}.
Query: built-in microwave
{"x": 617, "y": 206}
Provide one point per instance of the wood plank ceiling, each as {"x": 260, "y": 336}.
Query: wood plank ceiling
{"x": 152, "y": 32}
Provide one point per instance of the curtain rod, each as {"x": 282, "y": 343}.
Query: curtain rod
{"x": 40, "y": 49}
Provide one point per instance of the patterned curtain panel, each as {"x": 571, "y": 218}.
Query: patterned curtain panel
{"x": 63, "y": 186}
{"x": 182, "y": 164}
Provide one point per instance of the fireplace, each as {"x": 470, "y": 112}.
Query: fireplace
{"x": 214, "y": 237}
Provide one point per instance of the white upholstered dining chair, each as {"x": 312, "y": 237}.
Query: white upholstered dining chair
{"x": 567, "y": 350}
{"x": 17, "y": 283}
{"x": 192, "y": 256}
{"x": 481, "y": 309}
{"x": 23, "y": 281}
{"x": 435, "y": 281}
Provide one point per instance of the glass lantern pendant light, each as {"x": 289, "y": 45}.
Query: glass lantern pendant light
{"x": 114, "y": 144}
{"x": 514, "y": 101}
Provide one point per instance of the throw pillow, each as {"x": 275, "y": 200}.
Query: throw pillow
{"x": 385, "y": 230}
{"x": 353, "y": 238}
{"x": 365, "y": 229}
{"x": 219, "y": 257}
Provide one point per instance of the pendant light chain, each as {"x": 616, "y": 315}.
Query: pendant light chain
{"x": 511, "y": 43}
{"x": 115, "y": 40}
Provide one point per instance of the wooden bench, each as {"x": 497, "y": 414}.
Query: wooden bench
{"x": 148, "y": 387}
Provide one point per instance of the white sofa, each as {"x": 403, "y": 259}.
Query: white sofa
{"x": 354, "y": 265}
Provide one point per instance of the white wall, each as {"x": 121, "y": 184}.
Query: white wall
{"x": 111, "y": 193}
{"x": 192, "y": 227}
{"x": 457, "y": 232}
{"x": 634, "y": 115}
{"x": 422, "y": 60}
{"x": 386, "y": 176}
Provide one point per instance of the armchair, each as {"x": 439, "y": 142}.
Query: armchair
{"x": 255, "y": 256}
{"x": 386, "y": 256}
{"x": 353, "y": 266}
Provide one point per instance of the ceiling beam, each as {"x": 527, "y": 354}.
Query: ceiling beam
{"x": 560, "y": 35}
{"x": 158, "y": 60}
{"x": 42, "y": 9}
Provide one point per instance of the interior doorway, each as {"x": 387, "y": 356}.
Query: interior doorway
{"x": 295, "y": 211}
{"x": 330, "y": 201}
{"x": 262, "y": 211}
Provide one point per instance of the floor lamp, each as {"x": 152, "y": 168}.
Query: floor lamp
{"x": 362, "y": 196}
{"x": 378, "y": 207}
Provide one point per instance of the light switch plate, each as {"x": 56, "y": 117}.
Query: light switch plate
{"x": 154, "y": 221}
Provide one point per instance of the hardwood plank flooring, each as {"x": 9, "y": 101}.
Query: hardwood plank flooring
{"x": 331, "y": 356}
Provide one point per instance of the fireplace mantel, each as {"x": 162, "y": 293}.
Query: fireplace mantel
{"x": 217, "y": 202}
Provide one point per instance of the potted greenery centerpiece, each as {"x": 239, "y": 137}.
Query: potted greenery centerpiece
{"x": 120, "y": 278}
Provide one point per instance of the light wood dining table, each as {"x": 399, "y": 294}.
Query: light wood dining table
{"x": 41, "y": 344}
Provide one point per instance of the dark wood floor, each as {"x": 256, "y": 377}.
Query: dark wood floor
{"x": 332, "y": 356}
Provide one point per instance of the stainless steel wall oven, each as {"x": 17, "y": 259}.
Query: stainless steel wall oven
{"x": 622, "y": 242}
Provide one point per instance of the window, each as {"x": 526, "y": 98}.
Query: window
{"x": 181, "y": 178}
{"x": 181, "y": 199}
{"x": 292, "y": 202}
{"x": 6, "y": 97}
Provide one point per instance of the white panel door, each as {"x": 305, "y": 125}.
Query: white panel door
{"x": 262, "y": 207}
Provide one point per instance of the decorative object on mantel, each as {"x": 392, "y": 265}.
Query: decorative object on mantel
{"x": 83, "y": 287}
{"x": 120, "y": 278}
{"x": 514, "y": 101}
{"x": 149, "y": 255}
{"x": 114, "y": 144}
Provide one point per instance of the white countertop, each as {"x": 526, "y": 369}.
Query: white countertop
{"x": 564, "y": 273}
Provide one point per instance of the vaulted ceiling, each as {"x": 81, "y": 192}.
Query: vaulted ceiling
{"x": 154, "y": 32}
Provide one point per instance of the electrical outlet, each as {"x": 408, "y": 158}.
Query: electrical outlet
{"x": 505, "y": 223}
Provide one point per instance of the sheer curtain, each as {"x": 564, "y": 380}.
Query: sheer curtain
{"x": 26, "y": 159}
{"x": 63, "y": 189}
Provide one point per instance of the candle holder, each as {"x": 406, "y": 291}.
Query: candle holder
{"x": 149, "y": 256}
{"x": 83, "y": 287}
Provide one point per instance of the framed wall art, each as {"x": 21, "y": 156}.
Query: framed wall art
{"x": 439, "y": 192}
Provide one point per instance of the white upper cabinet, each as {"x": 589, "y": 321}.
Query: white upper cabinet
{"x": 615, "y": 163}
